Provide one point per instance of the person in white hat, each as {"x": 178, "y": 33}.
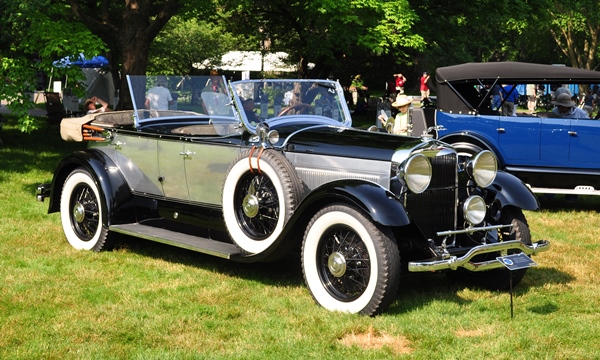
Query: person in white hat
{"x": 399, "y": 124}
{"x": 566, "y": 108}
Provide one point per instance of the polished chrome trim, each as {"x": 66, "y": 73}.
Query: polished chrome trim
{"x": 579, "y": 190}
{"x": 454, "y": 262}
{"x": 319, "y": 176}
{"x": 471, "y": 230}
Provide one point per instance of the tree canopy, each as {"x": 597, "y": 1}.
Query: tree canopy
{"x": 341, "y": 38}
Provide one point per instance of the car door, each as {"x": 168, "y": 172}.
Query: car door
{"x": 171, "y": 157}
{"x": 555, "y": 142}
{"x": 136, "y": 158}
{"x": 519, "y": 139}
{"x": 584, "y": 142}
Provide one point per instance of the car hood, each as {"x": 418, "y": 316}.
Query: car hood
{"x": 346, "y": 142}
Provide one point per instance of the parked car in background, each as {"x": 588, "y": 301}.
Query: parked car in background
{"x": 552, "y": 155}
{"x": 265, "y": 169}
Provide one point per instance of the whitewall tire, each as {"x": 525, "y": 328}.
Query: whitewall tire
{"x": 81, "y": 212}
{"x": 260, "y": 194}
{"x": 349, "y": 263}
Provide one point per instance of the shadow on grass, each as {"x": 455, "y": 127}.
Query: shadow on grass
{"x": 557, "y": 203}
{"x": 286, "y": 272}
{"x": 39, "y": 150}
{"x": 415, "y": 290}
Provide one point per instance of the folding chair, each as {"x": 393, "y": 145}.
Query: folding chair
{"x": 55, "y": 110}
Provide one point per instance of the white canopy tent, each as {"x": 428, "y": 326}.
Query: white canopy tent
{"x": 247, "y": 61}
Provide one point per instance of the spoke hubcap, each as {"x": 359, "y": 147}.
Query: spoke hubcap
{"x": 337, "y": 264}
{"x": 250, "y": 206}
{"x": 78, "y": 212}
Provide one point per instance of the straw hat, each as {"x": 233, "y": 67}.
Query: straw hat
{"x": 402, "y": 100}
{"x": 564, "y": 99}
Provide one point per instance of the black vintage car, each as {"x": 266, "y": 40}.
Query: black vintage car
{"x": 262, "y": 169}
{"x": 554, "y": 154}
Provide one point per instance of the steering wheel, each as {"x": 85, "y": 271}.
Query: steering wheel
{"x": 300, "y": 108}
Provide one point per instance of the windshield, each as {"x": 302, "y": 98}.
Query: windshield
{"x": 277, "y": 100}
{"x": 301, "y": 102}
{"x": 176, "y": 96}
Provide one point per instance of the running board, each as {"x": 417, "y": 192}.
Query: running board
{"x": 194, "y": 243}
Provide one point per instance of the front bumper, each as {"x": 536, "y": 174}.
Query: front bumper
{"x": 465, "y": 261}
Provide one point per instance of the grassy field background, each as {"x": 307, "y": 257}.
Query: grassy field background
{"x": 149, "y": 301}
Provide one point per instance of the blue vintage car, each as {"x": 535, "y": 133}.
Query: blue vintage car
{"x": 256, "y": 170}
{"x": 551, "y": 154}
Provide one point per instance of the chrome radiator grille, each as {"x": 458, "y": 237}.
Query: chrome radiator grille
{"x": 435, "y": 209}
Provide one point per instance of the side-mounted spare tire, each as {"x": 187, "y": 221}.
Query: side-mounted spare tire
{"x": 260, "y": 193}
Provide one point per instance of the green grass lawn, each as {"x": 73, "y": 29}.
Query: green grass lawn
{"x": 149, "y": 301}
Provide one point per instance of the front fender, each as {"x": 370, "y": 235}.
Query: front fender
{"x": 510, "y": 190}
{"x": 379, "y": 203}
{"x": 114, "y": 191}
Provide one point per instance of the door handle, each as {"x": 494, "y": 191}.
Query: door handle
{"x": 500, "y": 130}
{"x": 187, "y": 153}
{"x": 572, "y": 133}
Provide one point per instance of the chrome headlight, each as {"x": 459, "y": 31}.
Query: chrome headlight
{"x": 416, "y": 172}
{"x": 474, "y": 210}
{"x": 483, "y": 168}
{"x": 273, "y": 137}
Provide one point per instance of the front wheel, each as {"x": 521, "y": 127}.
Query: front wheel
{"x": 349, "y": 263}
{"x": 81, "y": 212}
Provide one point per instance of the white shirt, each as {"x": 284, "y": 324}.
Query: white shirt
{"x": 159, "y": 98}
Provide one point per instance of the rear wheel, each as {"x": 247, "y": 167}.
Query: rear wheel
{"x": 82, "y": 214}
{"x": 350, "y": 264}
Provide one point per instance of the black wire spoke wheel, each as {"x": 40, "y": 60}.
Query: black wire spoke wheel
{"x": 350, "y": 264}
{"x": 257, "y": 205}
{"x": 85, "y": 212}
{"x": 260, "y": 194}
{"x": 345, "y": 266}
{"x": 82, "y": 214}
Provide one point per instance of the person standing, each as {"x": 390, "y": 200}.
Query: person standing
{"x": 215, "y": 83}
{"x": 496, "y": 97}
{"x": 589, "y": 102}
{"x": 159, "y": 97}
{"x": 424, "y": 87}
{"x": 530, "y": 91}
{"x": 509, "y": 95}
{"x": 400, "y": 82}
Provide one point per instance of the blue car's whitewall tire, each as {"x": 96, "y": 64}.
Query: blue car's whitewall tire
{"x": 260, "y": 194}
{"x": 350, "y": 264}
{"x": 81, "y": 212}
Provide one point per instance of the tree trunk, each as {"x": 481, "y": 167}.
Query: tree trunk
{"x": 128, "y": 32}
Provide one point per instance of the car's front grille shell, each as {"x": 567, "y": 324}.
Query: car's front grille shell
{"x": 435, "y": 209}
